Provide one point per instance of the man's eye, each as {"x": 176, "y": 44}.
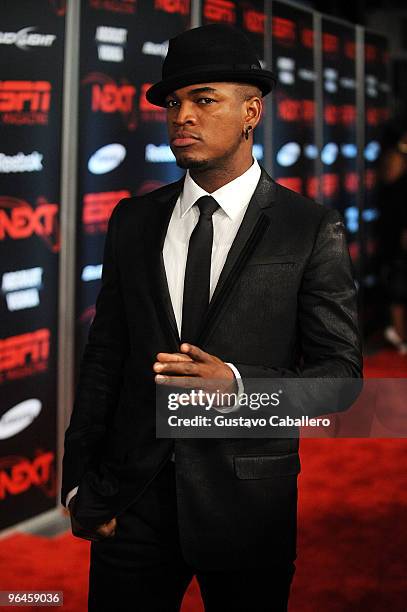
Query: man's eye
{"x": 170, "y": 103}
{"x": 205, "y": 100}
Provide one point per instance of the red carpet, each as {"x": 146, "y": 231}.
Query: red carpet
{"x": 386, "y": 363}
{"x": 352, "y": 538}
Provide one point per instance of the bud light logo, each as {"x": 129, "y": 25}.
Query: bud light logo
{"x": 26, "y": 38}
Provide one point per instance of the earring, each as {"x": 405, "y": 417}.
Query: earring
{"x": 247, "y": 130}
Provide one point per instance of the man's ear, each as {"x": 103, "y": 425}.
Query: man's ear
{"x": 254, "y": 110}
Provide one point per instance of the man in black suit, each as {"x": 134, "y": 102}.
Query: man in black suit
{"x": 222, "y": 275}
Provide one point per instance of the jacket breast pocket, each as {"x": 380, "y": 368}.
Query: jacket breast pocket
{"x": 266, "y": 466}
{"x": 272, "y": 260}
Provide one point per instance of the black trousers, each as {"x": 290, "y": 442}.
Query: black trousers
{"x": 142, "y": 569}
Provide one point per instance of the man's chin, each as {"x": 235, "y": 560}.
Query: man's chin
{"x": 187, "y": 163}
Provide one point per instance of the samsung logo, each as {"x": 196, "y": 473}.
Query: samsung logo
{"x": 372, "y": 150}
{"x": 19, "y": 417}
{"x": 329, "y": 153}
{"x": 258, "y": 151}
{"x": 349, "y": 150}
{"x": 106, "y": 158}
{"x": 288, "y": 154}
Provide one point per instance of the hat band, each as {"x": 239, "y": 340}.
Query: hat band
{"x": 214, "y": 67}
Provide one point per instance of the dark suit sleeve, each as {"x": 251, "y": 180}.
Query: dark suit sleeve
{"x": 100, "y": 372}
{"x": 329, "y": 339}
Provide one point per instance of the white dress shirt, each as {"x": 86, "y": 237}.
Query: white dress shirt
{"x": 233, "y": 199}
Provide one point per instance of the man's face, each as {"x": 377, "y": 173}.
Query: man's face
{"x": 205, "y": 123}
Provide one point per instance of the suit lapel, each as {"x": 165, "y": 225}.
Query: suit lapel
{"x": 252, "y": 228}
{"x": 164, "y": 206}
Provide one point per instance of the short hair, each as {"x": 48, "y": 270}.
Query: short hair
{"x": 247, "y": 91}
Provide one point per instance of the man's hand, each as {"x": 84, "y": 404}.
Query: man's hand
{"x": 106, "y": 530}
{"x": 194, "y": 369}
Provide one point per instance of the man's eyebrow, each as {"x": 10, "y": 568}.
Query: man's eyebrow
{"x": 195, "y": 91}
{"x": 201, "y": 90}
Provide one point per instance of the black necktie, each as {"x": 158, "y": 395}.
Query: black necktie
{"x": 198, "y": 270}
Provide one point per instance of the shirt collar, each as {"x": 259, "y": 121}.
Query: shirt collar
{"x": 232, "y": 197}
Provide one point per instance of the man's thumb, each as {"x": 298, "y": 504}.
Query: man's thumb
{"x": 108, "y": 529}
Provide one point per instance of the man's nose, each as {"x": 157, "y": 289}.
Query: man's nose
{"x": 185, "y": 113}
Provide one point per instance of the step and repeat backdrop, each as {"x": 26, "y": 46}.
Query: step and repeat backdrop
{"x": 294, "y": 106}
{"x": 31, "y": 61}
{"x": 249, "y": 17}
{"x": 376, "y": 114}
{"x": 307, "y": 139}
{"x": 123, "y": 147}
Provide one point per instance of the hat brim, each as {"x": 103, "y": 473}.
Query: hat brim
{"x": 264, "y": 79}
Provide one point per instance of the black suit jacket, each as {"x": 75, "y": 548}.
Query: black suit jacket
{"x": 284, "y": 305}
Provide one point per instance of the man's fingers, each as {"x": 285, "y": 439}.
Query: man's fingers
{"x": 168, "y": 357}
{"x": 85, "y": 535}
{"x": 187, "y": 368}
{"x": 94, "y": 535}
{"x": 107, "y": 529}
{"x": 195, "y": 352}
{"x": 187, "y": 382}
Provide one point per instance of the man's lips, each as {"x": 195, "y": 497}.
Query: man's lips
{"x": 183, "y": 140}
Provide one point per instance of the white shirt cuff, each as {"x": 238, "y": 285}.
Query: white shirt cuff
{"x": 240, "y": 387}
{"x": 240, "y": 390}
{"x": 70, "y": 495}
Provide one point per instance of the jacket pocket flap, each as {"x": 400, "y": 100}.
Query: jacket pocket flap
{"x": 266, "y": 466}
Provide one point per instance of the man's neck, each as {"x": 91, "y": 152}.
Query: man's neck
{"x": 211, "y": 179}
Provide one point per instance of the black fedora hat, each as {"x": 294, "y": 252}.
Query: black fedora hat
{"x": 216, "y": 52}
